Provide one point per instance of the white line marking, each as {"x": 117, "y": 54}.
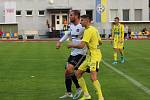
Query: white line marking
{"x": 22, "y": 59}
{"x": 133, "y": 81}
{"x": 131, "y": 59}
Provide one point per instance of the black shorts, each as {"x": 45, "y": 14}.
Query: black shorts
{"x": 76, "y": 61}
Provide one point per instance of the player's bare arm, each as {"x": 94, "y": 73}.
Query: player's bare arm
{"x": 79, "y": 46}
{"x": 64, "y": 38}
{"x": 58, "y": 44}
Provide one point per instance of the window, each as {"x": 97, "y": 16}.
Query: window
{"x": 113, "y": 14}
{"x": 18, "y": 12}
{"x": 64, "y": 17}
{"x": 57, "y": 17}
{"x": 90, "y": 13}
{"x": 138, "y": 15}
{"x": 41, "y": 12}
{"x": 58, "y": 22}
{"x": 126, "y": 15}
{"x": 29, "y": 13}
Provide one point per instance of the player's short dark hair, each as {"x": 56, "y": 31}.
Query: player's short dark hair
{"x": 117, "y": 18}
{"x": 87, "y": 16}
{"x": 76, "y": 13}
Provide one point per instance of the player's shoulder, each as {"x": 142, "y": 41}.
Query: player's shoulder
{"x": 121, "y": 25}
{"x": 79, "y": 26}
{"x": 76, "y": 29}
{"x": 92, "y": 28}
{"x": 70, "y": 24}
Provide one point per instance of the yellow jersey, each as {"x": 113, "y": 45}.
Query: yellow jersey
{"x": 92, "y": 39}
{"x": 118, "y": 33}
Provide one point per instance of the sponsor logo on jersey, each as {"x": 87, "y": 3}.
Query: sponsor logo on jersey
{"x": 78, "y": 30}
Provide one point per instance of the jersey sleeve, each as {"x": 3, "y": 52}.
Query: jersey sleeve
{"x": 112, "y": 32}
{"x": 86, "y": 36}
{"x": 122, "y": 32}
{"x": 65, "y": 37}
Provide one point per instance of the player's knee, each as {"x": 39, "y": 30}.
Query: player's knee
{"x": 78, "y": 74}
{"x": 93, "y": 79}
{"x": 93, "y": 76}
{"x": 115, "y": 49}
{"x": 70, "y": 69}
{"x": 120, "y": 49}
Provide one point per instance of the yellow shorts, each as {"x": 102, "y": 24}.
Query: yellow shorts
{"x": 118, "y": 45}
{"x": 93, "y": 65}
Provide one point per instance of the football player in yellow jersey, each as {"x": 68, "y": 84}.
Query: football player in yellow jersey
{"x": 91, "y": 39}
{"x": 118, "y": 40}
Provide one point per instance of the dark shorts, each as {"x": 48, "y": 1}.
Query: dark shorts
{"x": 76, "y": 61}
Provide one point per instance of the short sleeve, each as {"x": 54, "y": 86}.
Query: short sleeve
{"x": 86, "y": 36}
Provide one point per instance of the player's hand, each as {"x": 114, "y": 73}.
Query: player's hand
{"x": 58, "y": 45}
{"x": 70, "y": 46}
{"x": 100, "y": 43}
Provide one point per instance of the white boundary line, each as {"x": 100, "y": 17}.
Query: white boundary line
{"x": 133, "y": 81}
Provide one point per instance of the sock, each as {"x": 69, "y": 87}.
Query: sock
{"x": 121, "y": 53}
{"x": 115, "y": 56}
{"x": 68, "y": 83}
{"x": 83, "y": 86}
{"x": 122, "y": 57}
{"x": 75, "y": 81}
{"x": 98, "y": 88}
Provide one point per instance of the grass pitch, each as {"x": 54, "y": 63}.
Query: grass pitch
{"x": 35, "y": 71}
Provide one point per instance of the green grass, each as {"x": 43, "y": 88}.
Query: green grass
{"x": 20, "y": 61}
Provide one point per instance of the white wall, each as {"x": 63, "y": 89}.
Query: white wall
{"x": 39, "y": 23}
{"x": 130, "y": 4}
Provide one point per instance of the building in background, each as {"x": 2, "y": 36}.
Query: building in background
{"x": 34, "y": 15}
{"x": 134, "y": 13}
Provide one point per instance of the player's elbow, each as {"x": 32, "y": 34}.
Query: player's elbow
{"x": 81, "y": 46}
